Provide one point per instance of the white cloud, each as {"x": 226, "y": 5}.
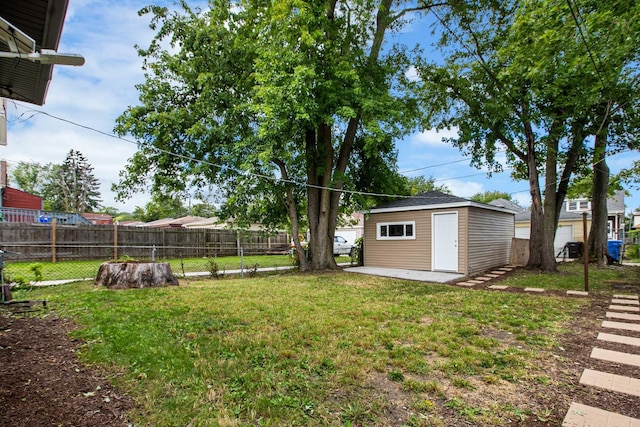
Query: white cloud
{"x": 93, "y": 95}
{"x": 461, "y": 188}
{"x": 433, "y": 137}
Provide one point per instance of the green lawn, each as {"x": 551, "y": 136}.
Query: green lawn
{"x": 318, "y": 350}
{"x": 570, "y": 276}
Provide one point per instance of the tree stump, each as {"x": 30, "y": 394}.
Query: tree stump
{"x": 132, "y": 274}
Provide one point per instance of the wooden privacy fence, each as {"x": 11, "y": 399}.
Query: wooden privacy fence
{"x": 51, "y": 242}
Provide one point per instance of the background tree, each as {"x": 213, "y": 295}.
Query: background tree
{"x": 31, "y": 176}
{"x": 160, "y": 207}
{"x": 278, "y": 104}
{"x": 71, "y": 186}
{"x": 489, "y": 196}
{"x": 421, "y": 184}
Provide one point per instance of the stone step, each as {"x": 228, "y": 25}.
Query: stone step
{"x": 624, "y": 308}
{"x": 579, "y": 293}
{"x": 498, "y": 287}
{"x": 621, "y": 325}
{"x": 580, "y": 415}
{"x": 612, "y": 382}
{"x": 622, "y": 301}
{"x": 619, "y": 339}
{"x": 623, "y": 316}
{"x": 615, "y": 356}
{"x": 466, "y": 284}
{"x": 626, "y": 296}
{"x": 533, "y": 290}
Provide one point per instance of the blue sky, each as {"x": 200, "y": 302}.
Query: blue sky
{"x": 105, "y": 33}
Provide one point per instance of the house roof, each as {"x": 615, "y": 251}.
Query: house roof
{"x": 615, "y": 205}
{"x": 433, "y": 200}
{"x": 42, "y": 20}
{"x": 97, "y": 216}
{"x": 507, "y": 204}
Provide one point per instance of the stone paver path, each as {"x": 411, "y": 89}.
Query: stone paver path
{"x": 624, "y": 308}
{"x": 621, "y": 325}
{"x": 620, "y": 339}
{"x": 626, "y": 301}
{"x": 613, "y": 382}
{"x": 624, "y": 316}
{"x": 580, "y": 415}
{"x": 616, "y": 357}
{"x": 587, "y": 416}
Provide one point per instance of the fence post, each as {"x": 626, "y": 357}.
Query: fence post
{"x": 238, "y": 242}
{"x": 115, "y": 241}
{"x": 53, "y": 240}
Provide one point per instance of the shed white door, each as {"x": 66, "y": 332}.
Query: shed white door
{"x": 445, "y": 241}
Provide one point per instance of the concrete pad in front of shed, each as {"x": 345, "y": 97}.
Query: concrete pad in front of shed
{"x": 418, "y": 275}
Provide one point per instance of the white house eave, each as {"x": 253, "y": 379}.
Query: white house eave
{"x": 455, "y": 205}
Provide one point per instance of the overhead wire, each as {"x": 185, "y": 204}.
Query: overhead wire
{"x": 241, "y": 172}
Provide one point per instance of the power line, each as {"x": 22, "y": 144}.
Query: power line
{"x": 262, "y": 176}
{"x": 240, "y": 172}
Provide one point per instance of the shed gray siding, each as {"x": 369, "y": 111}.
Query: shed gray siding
{"x": 490, "y": 235}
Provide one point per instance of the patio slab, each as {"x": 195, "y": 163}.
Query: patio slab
{"x": 420, "y": 276}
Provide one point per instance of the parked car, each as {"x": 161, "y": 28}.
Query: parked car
{"x": 341, "y": 246}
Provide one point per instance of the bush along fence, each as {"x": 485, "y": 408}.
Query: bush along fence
{"x": 54, "y": 242}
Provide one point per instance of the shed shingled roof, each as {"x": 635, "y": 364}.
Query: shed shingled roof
{"x": 424, "y": 199}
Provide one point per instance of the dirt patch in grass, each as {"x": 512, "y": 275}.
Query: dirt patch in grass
{"x": 43, "y": 383}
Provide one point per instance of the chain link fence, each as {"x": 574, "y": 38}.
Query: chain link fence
{"x": 51, "y": 252}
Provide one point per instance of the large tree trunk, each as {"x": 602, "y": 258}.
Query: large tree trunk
{"x": 598, "y": 248}
{"x": 319, "y": 172}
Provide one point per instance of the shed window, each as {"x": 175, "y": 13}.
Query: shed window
{"x": 396, "y": 230}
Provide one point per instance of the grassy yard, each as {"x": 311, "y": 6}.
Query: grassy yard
{"x": 88, "y": 269}
{"x": 320, "y": 350}
{"x": 570, "y": 276}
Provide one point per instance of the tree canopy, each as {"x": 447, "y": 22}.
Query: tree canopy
{"x": 281, "y": 105}
{"x": 520, "y": 77}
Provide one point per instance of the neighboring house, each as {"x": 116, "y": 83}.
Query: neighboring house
{"x": 570, "y": 226}
{"x": 434, "y": 231}
{"x": 171, "y": 222}
{"x": 18, "y": 199}
{"x": 98, "y": 218}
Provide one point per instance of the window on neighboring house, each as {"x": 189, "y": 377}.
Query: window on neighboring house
{"x": 396, "y": 230}
{"x": 578, "y": 205}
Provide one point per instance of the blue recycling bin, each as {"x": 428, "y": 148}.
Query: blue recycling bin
{"x": 614, "y": 249}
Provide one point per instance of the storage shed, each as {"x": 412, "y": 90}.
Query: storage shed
{"x": 435, "y": 231}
